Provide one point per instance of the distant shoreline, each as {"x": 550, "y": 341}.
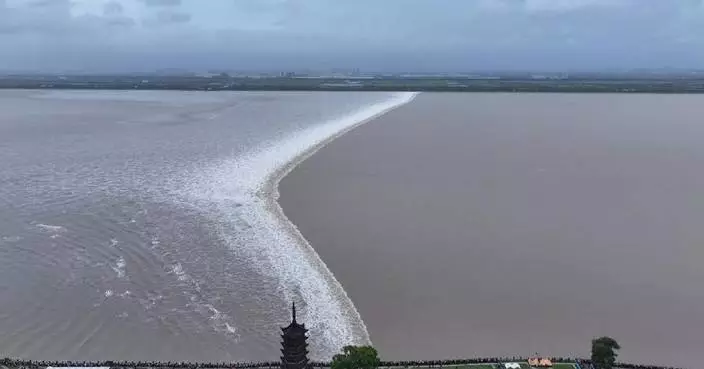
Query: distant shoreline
{"x": 366, "y": 90}
{"x": 594, "y": 84}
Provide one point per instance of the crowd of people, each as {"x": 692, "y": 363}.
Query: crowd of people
{"x": 29, "y": 364}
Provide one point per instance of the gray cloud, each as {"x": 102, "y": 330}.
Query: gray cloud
{"x": 162, "y": 2}
{"x": 120, "y": 22}
{"x": 165, "y": 18}
{"x": 36, "y": 17}
{"x": 370, "y": 34}
{"x": 113, "y": 8}
{"x": 40, "y": 3}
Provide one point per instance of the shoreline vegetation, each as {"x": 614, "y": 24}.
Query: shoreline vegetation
{"x": 603, "y": 356}
{"x": 580, "y": 83}
{"x": 478, "y": 363}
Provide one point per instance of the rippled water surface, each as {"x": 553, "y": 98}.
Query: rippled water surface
{"x": 130, "y": 227}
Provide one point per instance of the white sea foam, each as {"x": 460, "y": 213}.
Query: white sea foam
{"x": 119, "y": 267}
{"x": 51, "y": 228}
{"x": 9, "y": 239}
{"x": 177, "y": 269}
{"x": 243, "y": 189}
{"x": 220, "y": 321}
{"x": 230, "y": 329}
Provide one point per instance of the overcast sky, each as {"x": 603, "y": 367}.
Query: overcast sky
{"x": 422, "y": 35}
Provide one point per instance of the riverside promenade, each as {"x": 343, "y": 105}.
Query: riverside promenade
{"x": 475, "y": 363}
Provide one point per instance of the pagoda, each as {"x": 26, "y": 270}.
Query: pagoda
{"x": 294, "y": 348}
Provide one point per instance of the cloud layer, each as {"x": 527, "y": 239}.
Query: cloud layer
{"x": 125, "y": 35}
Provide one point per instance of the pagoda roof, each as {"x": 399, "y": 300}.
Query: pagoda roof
{"x": 294, "y": 326}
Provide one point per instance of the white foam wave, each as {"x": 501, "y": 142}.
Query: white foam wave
{"x": 243, "y": 189}
{"x": 51, "y": 228}
{"x": 181, "y": 275}
{"x": 10, "y": 239}
{"x": 119, "y": 267}
{"x": 220, "y": 321}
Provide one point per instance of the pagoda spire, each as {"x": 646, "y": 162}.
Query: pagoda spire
{"x": 294, "y": 348}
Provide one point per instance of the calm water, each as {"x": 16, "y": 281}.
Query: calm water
{"x": 131, "y": 226}
{"x": 507, "y": 224}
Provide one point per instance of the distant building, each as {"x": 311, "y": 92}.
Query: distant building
{"x": 207, "y": 75}
{"x": 294, "y": 348}
{"x": 560, "y": 76}
{"x": 346, "y": 83}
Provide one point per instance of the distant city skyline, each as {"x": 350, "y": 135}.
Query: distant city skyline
{"x": 384, "y": 36}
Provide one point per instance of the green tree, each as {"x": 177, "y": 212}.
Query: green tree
{"x": 356, "y": 357}
{"x": 604, "y": 352}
